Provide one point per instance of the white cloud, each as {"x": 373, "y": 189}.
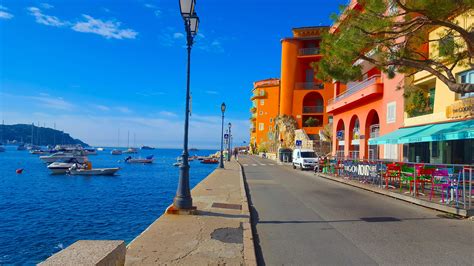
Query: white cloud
{"x": 46, "y": 19}
{"x": 5, "y": 15}
{"x": 46, "y": 6}
{"x": 211, "y": 92}
{"x": 102, "y": 107}
{"x": 167, "y": 114}
{"x": 158, "y": 13}
{"x": 108, "y": 29}
{"x": 53, "y": 103}
{"x": 124, "y": 109}
{"x": 178, "y": 35}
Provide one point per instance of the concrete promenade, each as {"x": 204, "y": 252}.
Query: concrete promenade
{"x": 303, "y": 219}
{"x": 218, "y": 234}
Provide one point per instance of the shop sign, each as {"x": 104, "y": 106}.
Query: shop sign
{"x": 363, "y": 169}
{"x": 461, "y": 109}
{"x": 340, "y": 135}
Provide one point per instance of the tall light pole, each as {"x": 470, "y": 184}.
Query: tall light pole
{"x": 221, "y": 162}
{"x": 183, "y": 200}
{"x": 229, "y": 139}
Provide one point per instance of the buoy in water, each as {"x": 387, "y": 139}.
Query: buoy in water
{"x": 19, "y": 171}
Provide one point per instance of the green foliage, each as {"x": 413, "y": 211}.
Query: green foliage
{"x": 417, "y": 101}
{"x": 311, "y": 121}
{"x": 389, "y": 34}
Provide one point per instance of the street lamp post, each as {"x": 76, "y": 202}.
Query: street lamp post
{"x": 229, "y": 139}
{"x": 183, "y": 200}
{"x": 221, "y": 163}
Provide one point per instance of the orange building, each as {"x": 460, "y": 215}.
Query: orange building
{"x": 302, "y": 95}
{"x": 364, "y": 109}
{"x": 265, "y": 103}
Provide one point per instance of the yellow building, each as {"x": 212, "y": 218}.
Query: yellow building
{"x": 442, "y": 131}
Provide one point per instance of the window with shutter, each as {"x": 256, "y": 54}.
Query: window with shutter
{"x": 391, "y": 112}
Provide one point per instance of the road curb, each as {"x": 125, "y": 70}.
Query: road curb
{"x": 250, "y": 257}
{"x": 423, "y": 203}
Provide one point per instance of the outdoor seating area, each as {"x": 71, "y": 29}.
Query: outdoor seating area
{"x": 451, "y": 185}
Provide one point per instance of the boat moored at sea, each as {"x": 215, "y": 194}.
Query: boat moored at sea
{"x": 116, "y": 152}
{"x": 148, "y": 159}
{"x": 131, "y": 150}
{"x": 61, "y": 156}
{"x": 147, "y": 148}
{"x": 90, "y": 151}
{"x": 58, "y": 168}
{"x": 86, "y": 169}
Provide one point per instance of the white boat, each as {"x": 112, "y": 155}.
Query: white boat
{"x": 131, "y": 150}
{"x": 61, "y": 156}
{"x": 62, "y": 167}
{"x": 100, "y": 149}
{"x": 179, "y": 161}
{"x": 90, "y": 151}
{"x": 77, "y": 170}
{"x": 148, "y": 159}
{"x": 116, "y": 152}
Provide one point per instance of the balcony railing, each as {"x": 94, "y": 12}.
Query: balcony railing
{"x": 354, "y": 87}
{"x": 374, "y": 130}
{"x": 308, "y": 51}
{"x": 260, "y": 95}
{"x": 309, "y": 86}
{"x": 313, "y": 109}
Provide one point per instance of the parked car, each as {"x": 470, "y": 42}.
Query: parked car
{"x": 304, "y": 159}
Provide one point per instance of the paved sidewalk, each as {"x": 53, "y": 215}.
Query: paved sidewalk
{"x": 214, "y": 236}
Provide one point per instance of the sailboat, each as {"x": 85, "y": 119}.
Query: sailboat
{"x": 117, "y": 151}
{"x": 130, "y": 149}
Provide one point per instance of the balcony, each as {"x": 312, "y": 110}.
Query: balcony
{"x": 309, "y": 86}
{"x": 253, "y": 117}
{"x": 374, "y": 130}
{"x": 261, "y": 95}
{"x": 253, "y": 109}
{"x": 313, "y": 109}
{"x": 357, "y": 91}
{"x": 253, "y": 129}
{"x": 308, "y": 51}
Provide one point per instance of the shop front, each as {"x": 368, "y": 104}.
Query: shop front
{"x": 449, "y": 143}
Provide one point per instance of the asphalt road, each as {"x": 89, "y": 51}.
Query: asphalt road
{"x": 303, "y": 219}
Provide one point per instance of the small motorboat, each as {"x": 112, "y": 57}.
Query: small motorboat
{"x": 210, "y": 161}
{"x": 148, "y": 159}
{"x": 116, "y": 152}
{"x": 21, "y": 147}
{"x": 147, "y": 148}
{"x": 86, "y": 169}
{"x": 100, "y": 149}
{"x": 58, "y": 168}
{"x": 179, "y": 161}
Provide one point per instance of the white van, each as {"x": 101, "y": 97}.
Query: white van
{"x": 304, "y": 159}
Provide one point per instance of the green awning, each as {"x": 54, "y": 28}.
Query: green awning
{"x": 433, "y": 132}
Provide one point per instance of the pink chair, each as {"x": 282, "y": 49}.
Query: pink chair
{"x": 440, "y": 179}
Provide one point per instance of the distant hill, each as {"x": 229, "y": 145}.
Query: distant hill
{"x": 36, "y": 135}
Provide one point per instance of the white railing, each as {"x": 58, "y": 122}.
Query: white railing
{"x": 374, "y": 130}
{"x": 354, "y": 87}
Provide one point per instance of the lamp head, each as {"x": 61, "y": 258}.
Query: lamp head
{"x": 187, "y": 8}
{"x": 194, "y": 24}
{"x": 223, "y": 107}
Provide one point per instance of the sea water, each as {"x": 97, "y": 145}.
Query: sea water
{"x": 40, "y": 213}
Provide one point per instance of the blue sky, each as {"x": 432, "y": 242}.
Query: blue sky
{"x": 95, "y": 66}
